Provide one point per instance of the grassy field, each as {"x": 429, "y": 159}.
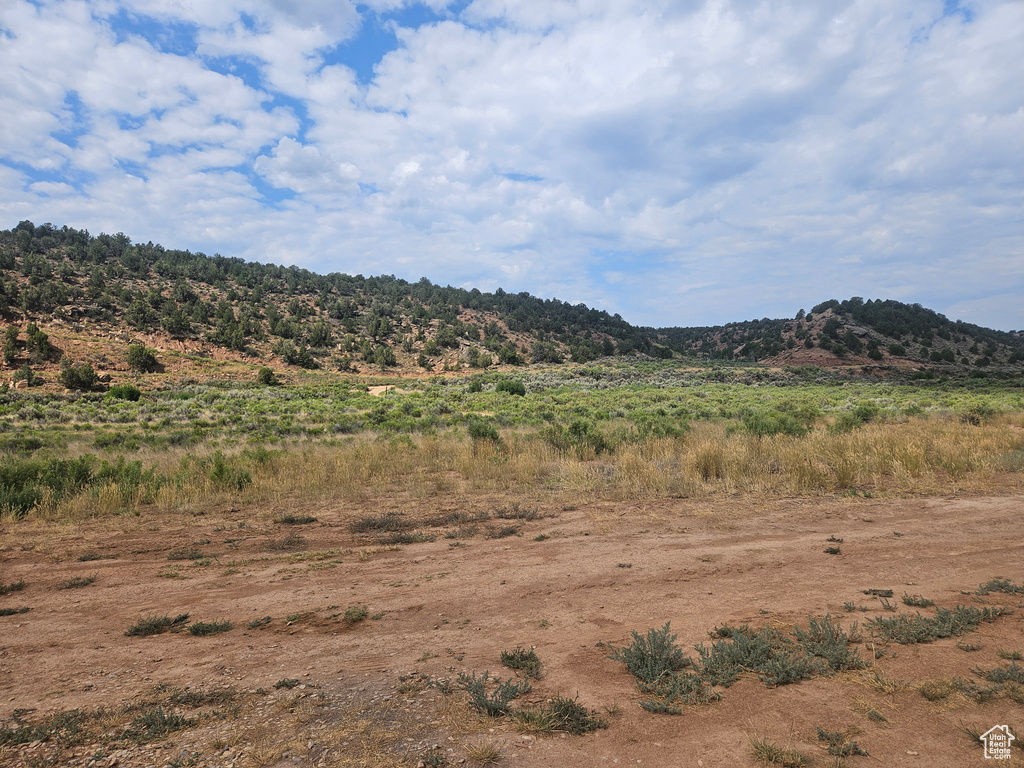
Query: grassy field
{"x": 631, "y": 431}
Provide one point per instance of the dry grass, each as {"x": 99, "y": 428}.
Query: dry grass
{"x": 484, "y": 752}
{"x": 914, "y": 457}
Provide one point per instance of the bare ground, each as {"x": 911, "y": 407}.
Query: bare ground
{"x": 436, "y": 609}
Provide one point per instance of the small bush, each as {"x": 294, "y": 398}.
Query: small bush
{"x": 204, "y": 628}
{"x": 155, "y": 724}
{"x": 907, "y": 630}
{"x": 82, "y": 377}
{"x": 497, "y": 702}
{"x": 259, "y": 623}
{"x": 512, "y": 386}
{"x": 141, "y": 359}
{"x": 839, "y": 745}
{"x": 14, "y": 611}
{"x": 572, "y": 717}
{"x": 648, "y": 658}
{"x": 1013, "y": 673}
{"x": 355, "y": 613}
{"x": 75, "y": 582}
{"x": 1000, "y": 585}
{"x": 14, "y": 586}
{"x": 127, "y": 392}
{"x": 522, "y": 660}
{"x": 481, "y": 430}
{"x": 266, "y": 377}
{"x": 287, "y": 683}
{"x": 917, "y": 601}
{"x": 388, "y": 521}
{"x": 185, "y": 553}
{"x": 289, "y": 519}
{"x": 155, "y": 625}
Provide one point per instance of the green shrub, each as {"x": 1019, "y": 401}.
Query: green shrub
{"x": 522, "y": 660}
{"x": 649, "y": 657}
{"x": 266, "y": 377}
{"x": 570, "y": 716}
{"x": 497, "y": 702}
{"x": 762, "y": 424}
{"x": 155, "y": 724}
{"x": 355, "y": 613}
{"x": 141, "y": 359}
{"x": 482, "y": 430}
{"x": 125, "y": 392}
{"x": 155, "y": 625}
{"x": 204, "y": 628}
{"x": 907, "y": 630}
{"x": 82, "y": 377}
{"x": 512, "y": 386}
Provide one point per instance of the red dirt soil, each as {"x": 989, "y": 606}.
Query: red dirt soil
{"x": 605, "y": 569}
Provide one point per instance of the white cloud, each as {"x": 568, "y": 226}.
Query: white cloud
{"x": 743, "y": 154}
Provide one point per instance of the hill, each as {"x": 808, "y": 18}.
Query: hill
{"x": 67, "y": 296}
{"x": 855, "y": 332}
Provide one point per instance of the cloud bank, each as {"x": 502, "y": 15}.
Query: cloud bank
{"x": 680, "y": 163}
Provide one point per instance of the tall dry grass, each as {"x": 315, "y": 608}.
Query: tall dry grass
{"x": 914, "y": 457}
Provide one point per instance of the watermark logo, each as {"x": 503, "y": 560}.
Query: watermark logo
{"x": 997, "y": 742}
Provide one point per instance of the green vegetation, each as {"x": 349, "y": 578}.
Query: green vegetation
{"x": 497, "y": 702}
{"x": 661, "y": 669}
{"x": 522, "y": 660}
{"x": 77, "y": 582}
{"x": 141, "y": 359}
{"x": 204, "y": 628}
{"x": 908, "y": 630}
{"x": 156, "y": 625}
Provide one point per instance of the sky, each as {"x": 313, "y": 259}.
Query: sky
{"x": 679, "y": 163}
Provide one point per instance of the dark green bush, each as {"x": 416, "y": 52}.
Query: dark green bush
{"x": 497, "y": 702}
{"x": 141, "y": 359}
{"x": 481, "y": 430}
{"x": 266, "y": 377}
{"x": 81, "y": 377}
{"x": 512, "y": 386}
{"x": 125, "y": 392}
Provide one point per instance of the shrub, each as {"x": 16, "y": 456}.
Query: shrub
{"x": 141, "y": 359}
{"x": 203, "y": 628}
{"x": 355, "y": 613}
{"x": 762, "y": 424}
{"x": 25, "y": 373}
{"x": 387, "y": 521}
{"x": 512, "y": 386}
{"x": 648, "y": 658}
{"x": 497, "y": 702}
{"x": 481, "y": 430}
{"x": 76, "y": 582}
{"x": 908, "y": 630}
{"x": 572, "y": 717}
{"x": 125, "y": 392}
{"x": 522, "y": 660}
{"x": 82, "y": 377}
{"x": 155, "y": 625}
{"x": 266, "y": 377}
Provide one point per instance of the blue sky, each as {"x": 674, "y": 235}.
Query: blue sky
{"x": 680, "y": 163}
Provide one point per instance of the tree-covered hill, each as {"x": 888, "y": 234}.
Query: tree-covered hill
{"x": 65, "y": 282}
{"x": 69, "y": 277}
{"x": 856, "y": 332}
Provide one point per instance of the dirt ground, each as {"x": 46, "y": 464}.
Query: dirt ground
{"x": 599, "y": 571}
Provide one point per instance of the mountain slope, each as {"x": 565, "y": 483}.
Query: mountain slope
{"x": 76, "y": 287}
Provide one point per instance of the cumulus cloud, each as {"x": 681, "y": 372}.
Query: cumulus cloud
{"x": 679, "y": 163}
